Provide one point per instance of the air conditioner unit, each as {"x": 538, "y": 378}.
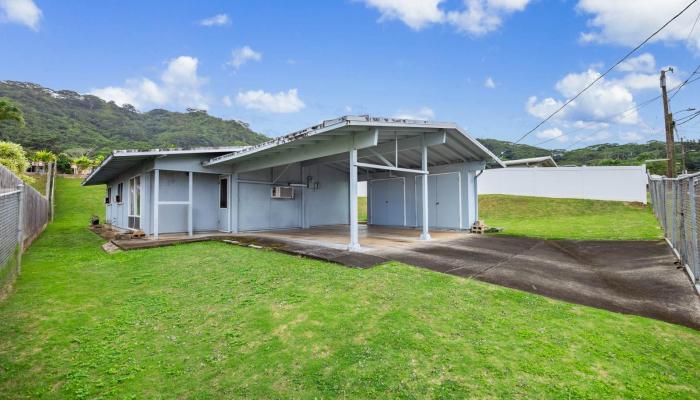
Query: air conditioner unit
{"x": 282, "y": 192}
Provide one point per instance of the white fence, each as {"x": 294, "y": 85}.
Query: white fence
{"x": 597, "y": 183}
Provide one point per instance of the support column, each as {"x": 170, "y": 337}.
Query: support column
{"x": 424, "y": 235}
{"x": 354, "y": 244}
{"x": 190, "y": 228}
{"x": 233, "y": 203}
{"x": 156, "y": 201}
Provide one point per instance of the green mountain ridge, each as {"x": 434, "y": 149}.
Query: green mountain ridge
{"x": 64, "y": 119}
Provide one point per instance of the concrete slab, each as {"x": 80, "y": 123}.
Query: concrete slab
{"x": 633, "y": 277}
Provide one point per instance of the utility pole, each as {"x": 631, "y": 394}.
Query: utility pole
{"x": 668, "y": 123}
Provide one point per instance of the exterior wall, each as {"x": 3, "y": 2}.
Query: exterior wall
{"x": 117, "y": 214}
{"x": 462, "y": 190}
{"x": 626, "y": 183}
{"x": 325, "y": 202}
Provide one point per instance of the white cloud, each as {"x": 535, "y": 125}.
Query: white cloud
{"x": 477, "y": 17}
{"x": 179, "y": 85}
{"x": 603, "y": 102}
{"x": 226, "y": 101}
{"x": 417, "y": 14}
{"x": 631, "y": 136}
{"x": 644, "y": 62}
{"x": 217, "y": 20}
{"x": 23, "y": 12}
{"x": 554, "y": 133}
{"x": 629, "y": 22}
{"x": 424, "y": 113}
{"x": 489, "y": 83}
{"x": 242, "y": 55}
{"x": 281, "y": 102}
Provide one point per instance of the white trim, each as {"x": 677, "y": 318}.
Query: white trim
{"x": 166, "y": 203}
{"x": 384, "y": 167}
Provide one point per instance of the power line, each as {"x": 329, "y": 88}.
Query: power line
{"x": 685, "y": 82}
{"x": 636, "y": 107}
{"x": 604, "y": 73}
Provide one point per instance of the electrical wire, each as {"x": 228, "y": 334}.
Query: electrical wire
{"x": 605, "y": 73}
{"x": 645, "y": 103}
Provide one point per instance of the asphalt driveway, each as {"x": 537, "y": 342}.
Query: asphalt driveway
{"x": 634, "y": 277}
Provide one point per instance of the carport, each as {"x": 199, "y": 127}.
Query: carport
{"x": 421, "y": 175}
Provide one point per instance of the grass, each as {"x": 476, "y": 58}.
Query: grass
{"x": 211, "y": 320}
{"x": 362, "y": 209}
{"x": 569, "y": 218}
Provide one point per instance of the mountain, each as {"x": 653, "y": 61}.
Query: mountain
{"x": 64, "y": 119}
{"x": 605, "y": 154}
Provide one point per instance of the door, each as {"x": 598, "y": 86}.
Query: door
{"x": 135, "y": 203}
{"x": 224, "y": 204}
{"x": 387, "y": 202}
{"x": 443, "y": 201}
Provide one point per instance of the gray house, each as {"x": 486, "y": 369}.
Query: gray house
{"x": 420, "y": 174}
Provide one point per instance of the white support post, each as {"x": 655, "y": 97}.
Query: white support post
{"x": 233, "y": 202}
{"x": 190, "y": 227}
{"x": 156, "y": 201}
{"x": 425, "y": 235}
{"x": 354, "y": 244}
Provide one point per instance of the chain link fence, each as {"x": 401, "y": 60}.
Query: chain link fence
{"x": 10, "y": 204}
{"x": 676, "y": 204}
{"x": 24, "y": 213}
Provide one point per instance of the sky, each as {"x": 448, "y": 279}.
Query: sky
{"x": 495, "y": 67}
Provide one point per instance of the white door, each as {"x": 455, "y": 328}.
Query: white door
{"x": 224, "y": 204}
{"x": 387, "y": 202}
{"x": 443, "y": 200}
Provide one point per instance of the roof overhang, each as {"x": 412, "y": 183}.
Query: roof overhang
{"x": 546, "y": 161}
{"x": 121, "y": 161}
{"x": 373, "y": 136}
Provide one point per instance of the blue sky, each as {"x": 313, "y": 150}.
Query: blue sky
{"x": 493, "y": 66}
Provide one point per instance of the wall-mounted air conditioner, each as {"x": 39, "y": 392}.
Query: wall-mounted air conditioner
{"x": 282, "y": 192}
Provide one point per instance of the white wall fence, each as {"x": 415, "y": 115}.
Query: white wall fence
{"x": 619, "y": 183}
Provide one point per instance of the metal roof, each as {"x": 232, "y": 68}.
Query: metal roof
{"x": 546, "y": 160}
{"x": 123, "y": 160}
{"x": 459, "y": 147}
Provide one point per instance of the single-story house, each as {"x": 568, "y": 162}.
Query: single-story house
{"x": 419, "y": 173}
{"x": 546, "y": 161}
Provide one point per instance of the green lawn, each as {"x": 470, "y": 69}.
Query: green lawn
{"x": 569, "y": 218}
{"x": 211, "y": 320}
{"x": 362, "y": 209}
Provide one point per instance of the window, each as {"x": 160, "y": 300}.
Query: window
{"x": 135, "y": 202}
{"x": 223, "y": 193}
{"x": 108, "y": 199}
{"x": 120, "y": 193}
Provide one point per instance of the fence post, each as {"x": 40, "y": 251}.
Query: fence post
{"x": 20, "y": 227}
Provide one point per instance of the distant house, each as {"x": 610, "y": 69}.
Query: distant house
{"x": 546, "y": 161}
{"x": 420, "y": 174}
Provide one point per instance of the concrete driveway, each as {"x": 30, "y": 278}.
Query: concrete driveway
{"x": 634, "y": 277}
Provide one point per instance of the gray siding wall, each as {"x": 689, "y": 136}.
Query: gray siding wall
{"x": 117, "y": 214}
{"x": 325, "y": 202}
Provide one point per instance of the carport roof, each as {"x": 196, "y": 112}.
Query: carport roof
{"x": 123, "y": 160}
{"x": 459, "y": 146}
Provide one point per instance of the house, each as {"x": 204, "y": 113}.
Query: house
{"x": 546, "y": 161}
{"x": 420, "y": 174}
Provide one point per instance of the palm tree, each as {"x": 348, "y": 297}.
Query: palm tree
{"x": 9, "y": 111}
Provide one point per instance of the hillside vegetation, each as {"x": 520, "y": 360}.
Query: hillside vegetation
{"x": 62, "y": 120}
{"x": 604, "y": 154}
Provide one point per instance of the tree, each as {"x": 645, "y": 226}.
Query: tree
{"x": 14, "y": 158}
{"x": 45, "y": 156}
{"x": 83, "y": 163}
{"x": 9, "y": 111}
